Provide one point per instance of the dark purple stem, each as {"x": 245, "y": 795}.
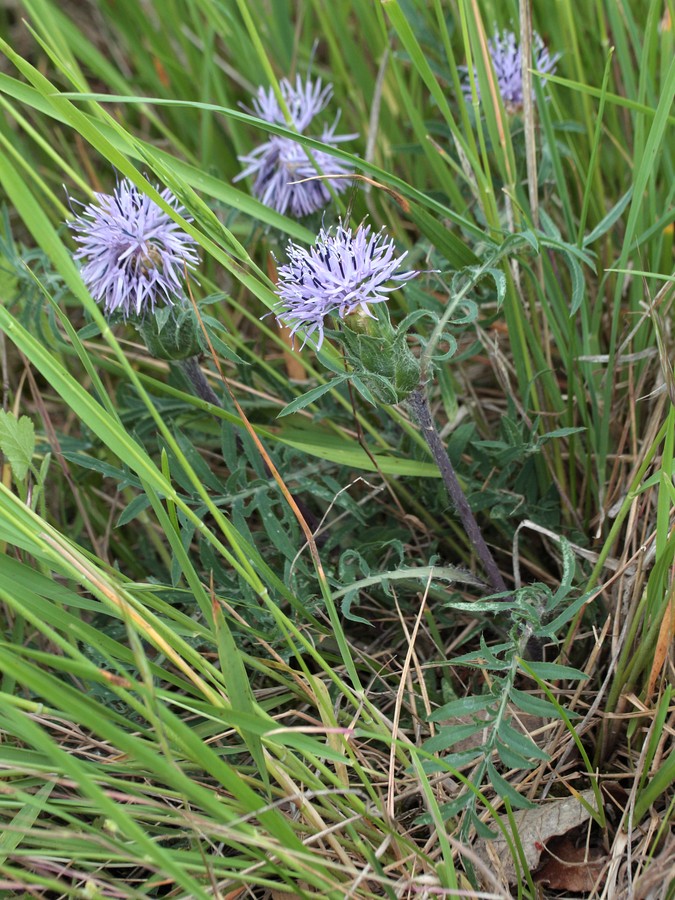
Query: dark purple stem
{"x": 198, "y": 380}
{"x": 419, "y": 407}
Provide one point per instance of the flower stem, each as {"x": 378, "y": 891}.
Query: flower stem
{"x": 419, "y": 407}
{"x": 196, "y": 377}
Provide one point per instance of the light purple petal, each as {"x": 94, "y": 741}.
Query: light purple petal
{"x": 134, "y": 254}
{"x": 278, "y": 164}
{"x": 341, "y": 273}
{"x": 506, "y": 60}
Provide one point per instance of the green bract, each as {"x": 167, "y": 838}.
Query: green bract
{"x": 381, "y": 355}
{"x": 175, "y": 335}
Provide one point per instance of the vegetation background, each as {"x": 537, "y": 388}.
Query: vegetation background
{"x": 194, "y": 700}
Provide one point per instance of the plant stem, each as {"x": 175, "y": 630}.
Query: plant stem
{"x": 203, "y": 389}
{"x": 419, "y": 407}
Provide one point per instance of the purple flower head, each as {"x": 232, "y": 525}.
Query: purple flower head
{"x": 304, "y": 101}
{"x": 507, "y": 62}
{"x": 341, "y": 274}
{"x": 280, "y": 161}
{"x": 135, "y": 254}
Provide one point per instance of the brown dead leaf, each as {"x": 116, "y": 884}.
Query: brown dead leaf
{"x": 571, "y": 868}
{"x": 534, "y": 827}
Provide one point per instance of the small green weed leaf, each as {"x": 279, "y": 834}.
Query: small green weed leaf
{"x": 511, "y": 758}
{"x": 482, "y": 830}
{"x": 530, "y": 238}
{"x": 559, "y": 433}
{"x": 123, "y": 478}
{"x": 499, "y": 279}
{"x": 485, "y": 656}
{"x": 486, "y": 606}
{"x": 519, "y": 742}
{"x": 93, "y": 329}
{"x": 220, "y": 346}
{"x": 346, "y": 607}
{"x": 133, "y": 509}
{"x": 17, "y": 442}
{"x": 464, "y": 707}
{"x": 569, "y": 568}
{"x": 536, "y": 706}
{"x": 277, "y": 530}
{"x": 505, "y": 790}
{"x": 548, "y": 226}
{"x": 554, "y": 672}
{"x": 449, "y": 810}
{"x": 448, "y": 737}
{"x": 461, "y": 758}
{"x": 310, "y": 396}
{"x": 578, "y": 283}
{"x": 552, "y": 629}
{"x": 609, "y": 220}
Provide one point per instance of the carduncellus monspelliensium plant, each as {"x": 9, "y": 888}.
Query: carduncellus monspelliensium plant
{"x": 507, "y": 61}
{"x": 339, "y": 288}
{"x": 285, "y": 174}
{"x": 135, "y": 262}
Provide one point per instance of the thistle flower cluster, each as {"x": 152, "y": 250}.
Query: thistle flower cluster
{"x": 134, "y": 254}
{"x": 280, "y": 162}
{"x": 340, "y": 275}
{"x": 506, "y": 56}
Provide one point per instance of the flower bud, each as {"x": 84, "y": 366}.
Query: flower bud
{"x": 171, "y": 333}
{"x": 375, "y": 349}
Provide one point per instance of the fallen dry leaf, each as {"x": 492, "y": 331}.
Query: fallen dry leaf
{"x": 535, "y": 827}
{"x": 571, "y": 868}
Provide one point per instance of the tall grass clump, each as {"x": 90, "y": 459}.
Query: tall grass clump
{"x": 338, "y": 441}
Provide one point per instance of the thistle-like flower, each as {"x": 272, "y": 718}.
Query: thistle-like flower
{"x": 507, "y": 62}
{"x": 280, "y": 161}
{"x": 304, "y": 101}
{"x": 341, "y": 274}
{"x": 135, "y": 254}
